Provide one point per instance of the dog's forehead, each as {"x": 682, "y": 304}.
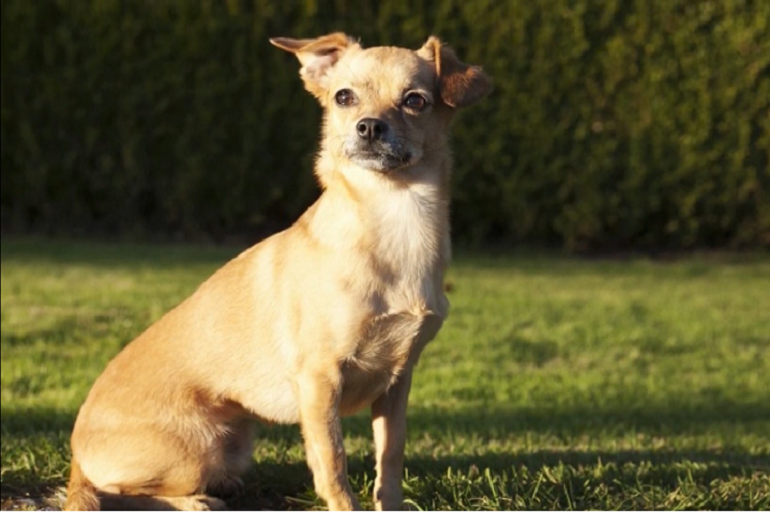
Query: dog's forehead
{"x": 384, "y": 66}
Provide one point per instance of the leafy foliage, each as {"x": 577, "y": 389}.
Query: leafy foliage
{"x": 614, "y": 124}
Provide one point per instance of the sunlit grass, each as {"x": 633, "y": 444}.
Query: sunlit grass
{"x": 556, "y": 383}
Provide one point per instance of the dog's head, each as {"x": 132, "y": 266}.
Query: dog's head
{"x": 386, "y": 108}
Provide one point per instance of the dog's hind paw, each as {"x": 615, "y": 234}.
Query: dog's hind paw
{"x": 203, "y": 502}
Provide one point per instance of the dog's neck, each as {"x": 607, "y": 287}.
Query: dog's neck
{"x": 400, "y": 217}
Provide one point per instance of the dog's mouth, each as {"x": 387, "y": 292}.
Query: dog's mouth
{"x": 382, "y": 162}
{"x": 383, "y": 158}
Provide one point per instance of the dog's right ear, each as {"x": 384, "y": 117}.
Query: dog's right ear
{"x": 317, "y": 56}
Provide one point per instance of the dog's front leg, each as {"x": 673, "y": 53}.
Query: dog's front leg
{"x": 389, "y": 425}
{"x": 319, "y": 396}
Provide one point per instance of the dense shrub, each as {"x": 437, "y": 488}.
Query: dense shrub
{"x": 614, "y": 124}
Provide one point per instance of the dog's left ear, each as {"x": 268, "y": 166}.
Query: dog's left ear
{"x": 317, "y": 56}
{"x": 459, "y": 84}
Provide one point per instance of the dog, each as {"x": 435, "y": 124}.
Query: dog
{"x": 316, "y": 322}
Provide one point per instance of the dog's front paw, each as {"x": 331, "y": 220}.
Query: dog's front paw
{"x": 347, "y": 502}
{"x": 388, "y": 498}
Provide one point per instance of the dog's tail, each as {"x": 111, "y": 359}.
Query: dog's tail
{"x": 81, "y": 493}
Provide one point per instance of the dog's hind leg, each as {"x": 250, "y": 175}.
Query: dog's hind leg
{"x": 154, "y": 469}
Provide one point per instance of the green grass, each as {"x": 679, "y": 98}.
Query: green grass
{"x": 556, "y": 383}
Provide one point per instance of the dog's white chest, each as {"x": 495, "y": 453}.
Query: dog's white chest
{"x": 407, "y": 232}
{"x": 409, "y": 244}
{"x": 404, "y": 293}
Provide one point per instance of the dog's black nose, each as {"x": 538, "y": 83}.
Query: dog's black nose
{"x": 371, "y": 129}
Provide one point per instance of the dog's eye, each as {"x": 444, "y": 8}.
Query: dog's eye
{"x": 415, "y": 101}
{"x": 345, "y": 98}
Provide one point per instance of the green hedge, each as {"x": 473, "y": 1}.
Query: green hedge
{"x": 614, "y": 124}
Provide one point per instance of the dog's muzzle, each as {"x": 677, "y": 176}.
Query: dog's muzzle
{"x": 375, "y": 147}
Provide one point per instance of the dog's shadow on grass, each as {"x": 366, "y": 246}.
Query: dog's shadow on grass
{"x": 279, "y": 486}
{"x": 287, "y": 484}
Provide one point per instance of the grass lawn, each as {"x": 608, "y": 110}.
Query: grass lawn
{"x": 556, "y": 383}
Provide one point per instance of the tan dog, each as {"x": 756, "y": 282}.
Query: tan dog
{"x": 316, "y": 322}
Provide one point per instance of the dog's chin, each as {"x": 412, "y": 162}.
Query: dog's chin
{"x": 381, "y": 162}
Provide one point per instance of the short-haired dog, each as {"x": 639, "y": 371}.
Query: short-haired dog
{"x": 316, "y": 322}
